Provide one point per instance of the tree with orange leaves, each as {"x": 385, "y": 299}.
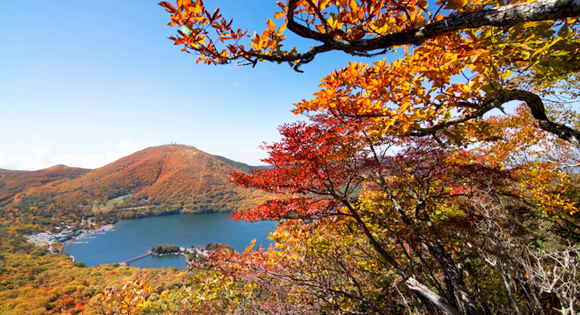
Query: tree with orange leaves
{"x": 127, "y": 298}
{"x": 464, "y": 58}
{"x": 448, "y": 221}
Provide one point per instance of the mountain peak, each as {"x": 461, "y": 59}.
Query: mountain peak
{"x": 158, "y": 179}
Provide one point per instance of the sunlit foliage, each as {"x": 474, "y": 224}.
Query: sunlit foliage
{"x": 422, "y": 161}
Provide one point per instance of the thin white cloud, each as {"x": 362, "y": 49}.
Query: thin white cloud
{"x": 8, "y": 161}
{"x": 42, "y": 155}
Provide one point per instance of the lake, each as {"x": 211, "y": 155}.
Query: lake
{"x": 132, "y": 238}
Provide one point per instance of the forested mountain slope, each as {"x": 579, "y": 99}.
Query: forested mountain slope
{"x": 169, "y": 178}
{"x": 13, "y": 182}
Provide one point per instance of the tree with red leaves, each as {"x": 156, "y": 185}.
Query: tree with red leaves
{"x": 403, "y": 195}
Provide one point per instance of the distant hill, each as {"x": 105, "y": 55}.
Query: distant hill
{"x": 13, "y": 182}
{"x": 239, "y": 165}
{"x": 163, "y": 179}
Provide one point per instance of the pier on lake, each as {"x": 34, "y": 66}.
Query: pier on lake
{"x": 135, "y": 258}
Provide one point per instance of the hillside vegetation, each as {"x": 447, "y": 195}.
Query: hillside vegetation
{"x": 13, "y": 182}
{"x": 157, "y": 180}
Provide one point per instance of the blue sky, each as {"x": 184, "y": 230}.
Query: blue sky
{"x": 84, "y": 83}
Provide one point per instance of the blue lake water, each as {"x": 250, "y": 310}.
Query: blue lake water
{"x": 131, "y": 238}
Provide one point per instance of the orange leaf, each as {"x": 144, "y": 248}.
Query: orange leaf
{"x": 271, "y": 26}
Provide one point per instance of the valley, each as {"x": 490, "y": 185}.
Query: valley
{"x": 166, "y": 194}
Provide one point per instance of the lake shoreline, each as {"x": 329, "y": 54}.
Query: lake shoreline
{"x": 135, "y": 237}
{"x": 46, "y": 238}
{"x": 103, "y": 229}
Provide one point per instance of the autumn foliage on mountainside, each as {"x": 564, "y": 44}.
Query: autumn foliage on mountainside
{"x": 159, "y": 180}
{"x": 165, "y": 179}
{"x": 13, "y": 182}
{"x": 415, "y": 186}
{"x": 34, "y": 281}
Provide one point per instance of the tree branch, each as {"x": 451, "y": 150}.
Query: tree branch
{"x": 534, "y": 103}
{"x": 508, "y": 15}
